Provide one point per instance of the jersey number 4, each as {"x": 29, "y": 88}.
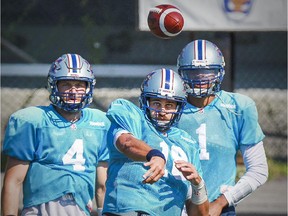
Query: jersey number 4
{"x": 74, "y": 156}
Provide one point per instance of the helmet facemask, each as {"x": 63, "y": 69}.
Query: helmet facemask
{"x": 161, "y": 125}
{"x": 201, "y": 82}
{"x": 71, "y": 101}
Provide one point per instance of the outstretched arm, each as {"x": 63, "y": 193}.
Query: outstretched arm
{"x": 198, "y": 204}
{"x": 138, "y": 150}
{"x": 14, "y": 176}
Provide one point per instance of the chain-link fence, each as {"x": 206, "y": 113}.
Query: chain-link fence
{"x": 105, "y": 33}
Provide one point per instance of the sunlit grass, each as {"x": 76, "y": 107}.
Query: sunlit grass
{"x": 277, "y": 169}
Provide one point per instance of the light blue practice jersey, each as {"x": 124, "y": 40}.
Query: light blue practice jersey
{"x": 220, "y": 128}
{"x": 125, "y": 191}
{"x": 63, "y": 156}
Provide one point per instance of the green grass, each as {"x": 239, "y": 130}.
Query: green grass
{"x": 277, "y": 169}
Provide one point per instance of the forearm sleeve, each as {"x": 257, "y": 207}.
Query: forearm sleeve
{"x": 256, "y": 173}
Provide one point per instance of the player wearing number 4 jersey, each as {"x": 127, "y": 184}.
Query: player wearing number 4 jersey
{"x": 223, "y": 123}
{"x": 150, "y": 160}
{"x": 54, "y": 150}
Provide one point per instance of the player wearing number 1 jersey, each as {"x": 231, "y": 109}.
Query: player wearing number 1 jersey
{"x": 137, "y": 187}
{"x": 54, "y": 150}
{"x": 223, "y": 123}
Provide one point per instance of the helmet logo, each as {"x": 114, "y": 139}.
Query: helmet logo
{"x": 59, "y": 60}
{"x": 56, "y": 65}
{"x": 148, "y": 77}
{"x": 218, "y": 51}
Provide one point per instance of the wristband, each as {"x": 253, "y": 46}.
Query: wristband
{"x": 199, "y": 193}
{"x": 155, "y": 153}
{"x": 99, "y": 211}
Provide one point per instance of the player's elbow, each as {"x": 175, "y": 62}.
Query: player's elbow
{"x": 264, "y": 173}
{"x": 100, "y": 191}
{"x": 259, "y": 175}
{"x": 124, "y": 142}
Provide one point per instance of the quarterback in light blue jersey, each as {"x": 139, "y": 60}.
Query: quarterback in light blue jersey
{"x": 55, "y": 150}
{"x": 137, "y": 187}
{"x": 222, "y": 123}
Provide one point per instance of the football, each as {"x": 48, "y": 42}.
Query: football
{"x": 165, "y": 21}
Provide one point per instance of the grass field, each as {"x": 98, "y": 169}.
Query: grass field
{"x": 277, "y": 169}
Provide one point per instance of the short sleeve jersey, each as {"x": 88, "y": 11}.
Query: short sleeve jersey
{"x": 125, "y": 191}
{"x": 63, "y": 156}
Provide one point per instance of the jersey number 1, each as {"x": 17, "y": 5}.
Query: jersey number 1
{"x": 201, "y": 131}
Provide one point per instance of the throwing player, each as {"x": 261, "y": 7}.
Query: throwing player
{"x": 150, "y": 159}
{"x": 54, "y": 150}
{"x": 223, "y": 123}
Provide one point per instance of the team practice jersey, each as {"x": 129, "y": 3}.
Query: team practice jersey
{"x": 125, "y": 191}
{"x": 220, "y": 128}
{"x": 63, "y": 155}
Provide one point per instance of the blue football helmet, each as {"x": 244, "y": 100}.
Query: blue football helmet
{"x": 201, "y": 66}
{"x": 166, "y": 84}
{"x": 70, "y": 67}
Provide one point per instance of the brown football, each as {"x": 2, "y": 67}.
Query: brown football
{"x": 165, "y": 21}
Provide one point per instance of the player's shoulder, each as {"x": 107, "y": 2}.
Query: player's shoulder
{"x": 125, "y": 113}
{"x": 235, "y": 95}
{"x": 123, "y": 106}
{"x": 235, "y": 99}
{"x": 123, "y": 103}
{"x": 94, "y": 112}
{"x": 95, "y": 115}
{"x": 30, "y": 114}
